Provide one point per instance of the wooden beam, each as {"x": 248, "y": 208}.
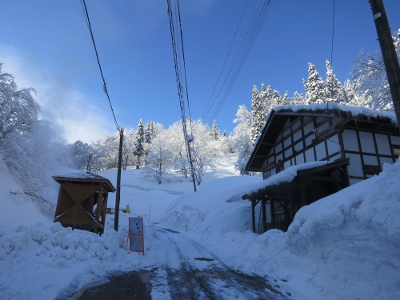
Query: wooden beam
{"x": 253, "y": 216}
{"x": 266, "y": 143}
{"x": 264, "y": 215}
{"x": 325, "y": 179}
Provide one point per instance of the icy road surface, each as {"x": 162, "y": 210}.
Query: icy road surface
{"x": 187, "y": 271}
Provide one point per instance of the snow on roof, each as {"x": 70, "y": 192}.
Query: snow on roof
{"x": 329, "y": 106}
{"x": 286, "y": 175}
{"x": 86, "y": 177}
{"x": 81, "y": 175}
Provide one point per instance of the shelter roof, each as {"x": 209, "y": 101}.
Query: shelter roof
{"x": 290, "y": 174}
{"x": 86, "y": 178}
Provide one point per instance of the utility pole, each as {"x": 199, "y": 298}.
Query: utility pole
{"x": 117, "y": 196}
{"x": 388, "y": 53}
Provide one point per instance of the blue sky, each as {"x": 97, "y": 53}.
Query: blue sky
{"x": 46, "y": 45}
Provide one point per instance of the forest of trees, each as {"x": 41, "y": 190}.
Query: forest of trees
{"x": 29, "y": 147}
{"x": 368, "y": 87}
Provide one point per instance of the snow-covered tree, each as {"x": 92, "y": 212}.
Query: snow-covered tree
{"x": 286, "y": 99}
{"x": 215, "y": 133}
{"x": 334, "y": 90}
{"x": 159, "y": 159}
{"x": 18, "y": 110}
{"x": 27, "y": 144}
{"x": 257, "y": 114}
{"x": 140, "y": 151}
{"x": 370, "y": 79}
{"x": 203, "y": 150}
{"x": 314, "y": 86}
{"x": 149, "y": 132}
{"x": 242, "y": 138}
{"x": 298, "y": 98}
{"x": 128, "y": 147}
{"x": 177, "y": 147}
{"x": 267, "y": 98}
{"x": 276, "y": 100}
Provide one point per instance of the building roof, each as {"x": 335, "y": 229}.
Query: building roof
{"x": 85, "y": 177}
{"x": 360, "y": 117}
{"x": 290, "y": 174}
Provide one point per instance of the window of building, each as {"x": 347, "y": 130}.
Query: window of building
{"x": 367, "y": 142}
{"x": 384, "y": 160}
{"x": 288, "y": 152}
{"x": 300, "y": 159}
{"x": 320, "y": 151}
{"x": 308, "y": 128}
{"x": 333, "y": 144}
{"x": 298, "y": 146}
{"x": 287, "y": 142}
{"x": 278, "y": 148}
{"x": 382, "y": 141}
{"x": 370, "y": 160}
{"x": 350, "y": 141}
{"x": 309, "y": 139}
{"x": 297, "y": 135}
{"x": 323, "y": 126}
{"x": 310, "y": 155}
{"x": 355, "y": 167}
{"x": 395, "y": 140}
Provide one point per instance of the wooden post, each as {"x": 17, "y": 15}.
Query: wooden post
{"x": 264, "y": 215}
{"x": 273, "y": 212}
{"x": 388, "y": 52}
{"x": 117, "y": 196}
{"x": 253, "y": 215}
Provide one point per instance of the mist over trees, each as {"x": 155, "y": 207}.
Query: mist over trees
{"x": 28, "y": 146}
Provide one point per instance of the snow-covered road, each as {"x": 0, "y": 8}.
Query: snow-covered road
{"x": 186, "y": 270}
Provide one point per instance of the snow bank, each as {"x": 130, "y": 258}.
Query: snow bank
{"x": 353, "y": 238}
{"x": 344, "y": 246}
{"x": 16, "y": 208}
{"x": 217, "y": 207}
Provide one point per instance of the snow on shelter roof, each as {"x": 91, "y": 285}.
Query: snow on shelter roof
{"x": 286, "y": 175}
{"x": 85, "y": 177}
{"x": 329, "y": 109}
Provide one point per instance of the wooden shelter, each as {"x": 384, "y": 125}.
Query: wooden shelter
{"x": 82, "y": 201}
{"x": 354, "y": 143}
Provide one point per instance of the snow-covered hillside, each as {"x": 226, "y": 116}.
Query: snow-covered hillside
{"x": 345, "y": 246}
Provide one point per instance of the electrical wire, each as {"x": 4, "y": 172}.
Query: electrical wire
{"x": 223, "y": 66}
{"x": 241, "y": 56}
{"x": 85, "y": 11}
{"x": 177, "y": 67}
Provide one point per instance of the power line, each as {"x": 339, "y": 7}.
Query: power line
{"x": 177, "y": 68}
{"x": 333, "y": 28}
{"x": 242, "y": 54}
{"x": 85, "y": 11}
{"x": 226, "y": 58}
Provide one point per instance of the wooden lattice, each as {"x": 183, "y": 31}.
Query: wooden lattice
{"x": 82, "y": 201}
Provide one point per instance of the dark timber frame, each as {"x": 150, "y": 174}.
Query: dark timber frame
{"x": 82, "y": 201}
{"x": 354, "y": 142}
{"x": 279, "y": 203}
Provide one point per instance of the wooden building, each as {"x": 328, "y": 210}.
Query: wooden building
{"x": 82, "y": 201}
{"x": 351, "y": 144}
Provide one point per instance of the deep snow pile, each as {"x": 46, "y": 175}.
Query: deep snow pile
{"x": 345, "y": 246}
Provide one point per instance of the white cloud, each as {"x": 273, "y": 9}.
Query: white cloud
{"x": 74, "y": 116}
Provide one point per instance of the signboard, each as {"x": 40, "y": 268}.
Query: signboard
{"x": 135, "y": 235}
